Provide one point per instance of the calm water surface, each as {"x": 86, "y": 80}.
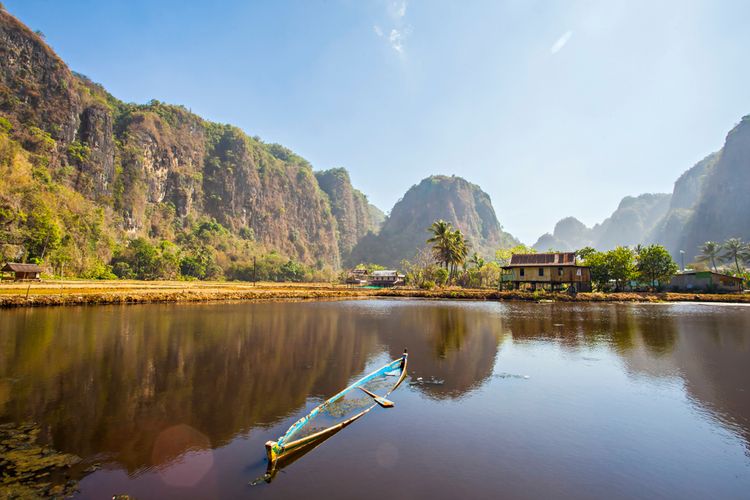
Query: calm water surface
{"x": 539, "y": 400}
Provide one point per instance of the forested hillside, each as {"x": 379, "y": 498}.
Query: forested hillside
{"x": 153, "y": 190}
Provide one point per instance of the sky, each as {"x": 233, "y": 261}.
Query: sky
{"x": 554, "y": 108}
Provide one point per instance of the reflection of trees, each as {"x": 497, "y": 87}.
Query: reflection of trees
{"x": 620, "y": 327}
{"x": 109, "y": 380}
{"x": 454, "y": 342}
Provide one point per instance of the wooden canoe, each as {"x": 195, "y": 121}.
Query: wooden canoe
{"x": 294, "y": 440}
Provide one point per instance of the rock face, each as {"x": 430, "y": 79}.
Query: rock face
{"x": 687, "y": 191}
{"x": 355, "y": 217}
{"x": 629, "y": 225}
{"x": 159, "y": 161}
{"x": 36, "y": 87}
{"x": 633, "y": 220}
{"x": 723, "y": 208}
{"x": 453, "y": 199}
{"x": 709, "y": 203}
{"x": 569, "y": 235}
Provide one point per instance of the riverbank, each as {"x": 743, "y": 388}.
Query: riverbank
{"x": 53, "y": 293}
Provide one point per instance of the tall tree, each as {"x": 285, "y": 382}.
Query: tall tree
{"x": 710, "y": 251}
{"x": 458, "y": 250}
{"x": 655, "y": 265}
{"x": 735, "y": 249}
{"x": 442, "y": 232}
{"x": 621, "y": 263}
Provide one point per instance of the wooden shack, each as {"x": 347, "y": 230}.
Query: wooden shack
{"x": 22, "y": 272}
{"x": 357, "y": 276}
{"x": 551, "y": 271}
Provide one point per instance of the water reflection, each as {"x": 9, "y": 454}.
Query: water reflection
{"x": 144, "y": 384}
{"x": 112, "y": 381}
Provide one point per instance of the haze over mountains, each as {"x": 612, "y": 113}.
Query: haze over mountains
{"x": 709, "y": 203}
{"x": 106, "y": 172}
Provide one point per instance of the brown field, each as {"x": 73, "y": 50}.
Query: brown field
{"x": 71, "y": 292}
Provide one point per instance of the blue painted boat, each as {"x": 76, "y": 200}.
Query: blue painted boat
{"x": 340, "y": 410}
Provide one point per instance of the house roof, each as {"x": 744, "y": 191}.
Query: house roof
{"x": 384, "y": 273}
{"x": 22, "y": 268}
{"x": 542, "y": 259}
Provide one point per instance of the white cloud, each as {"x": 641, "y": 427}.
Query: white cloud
{"x": 396, "y": 30}
{"x": 560, "y": 42}
{"x": 397, "y": 40}
{"x": 397, "y": 10}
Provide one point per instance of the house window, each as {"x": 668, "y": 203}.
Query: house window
{"x": 522, "y": 273}
{"x": 541, "y": 271}
{"x": 559, "y": 271}
{"x": 578, "y": 272}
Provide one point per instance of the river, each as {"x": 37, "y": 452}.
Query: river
{"x": 536, "y": 401}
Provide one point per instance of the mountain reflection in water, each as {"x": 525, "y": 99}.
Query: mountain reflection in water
{"x": 112, "y": 382}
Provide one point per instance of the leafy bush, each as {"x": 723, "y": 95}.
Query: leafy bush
{"x": 440, "y": 275}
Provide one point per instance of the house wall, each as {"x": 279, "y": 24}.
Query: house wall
{"x": 551, "y": 274}
{"x": 705, "y": 280}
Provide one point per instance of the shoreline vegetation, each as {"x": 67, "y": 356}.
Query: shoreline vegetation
{"x": 56, "y": 293}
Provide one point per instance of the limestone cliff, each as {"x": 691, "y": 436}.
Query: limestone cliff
{"x": 157, "y": 162}
{"x": 629, "y": 225}
{"x": 723, "y": 208}
{"x": 453, "y": 199}
{"x": 687, "y": 191}
{"x": 355, "y": 217}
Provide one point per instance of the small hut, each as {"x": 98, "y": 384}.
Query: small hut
{"x": 22, "y": 272}
{"x": 706, "y": 281}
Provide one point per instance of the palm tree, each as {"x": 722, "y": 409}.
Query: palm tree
{"x": 710, "y": 251}
{"x": 735, "y": 249}
{"x": 441, "y": 238}
{"x": 476, "y": 261}
{"x": 458, "y": 251}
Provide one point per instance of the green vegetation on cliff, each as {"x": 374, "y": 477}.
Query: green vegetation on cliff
{"x": 95, "y": 187}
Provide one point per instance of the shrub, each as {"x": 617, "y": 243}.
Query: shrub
{"x": 427, "y": 285}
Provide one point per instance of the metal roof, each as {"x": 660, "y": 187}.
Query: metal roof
{"x": 17, "y": 267}
{"x": 384, "y": 273}
{"x": 543, "y": 259}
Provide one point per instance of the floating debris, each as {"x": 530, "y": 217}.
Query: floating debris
{"x": 511, "y": 375}
{"x": 31, "y": 470}
{"x": 430, "y": 381}
{"x": 265, "y": 478}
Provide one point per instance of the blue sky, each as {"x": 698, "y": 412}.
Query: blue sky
{"x": 553, "y": 108}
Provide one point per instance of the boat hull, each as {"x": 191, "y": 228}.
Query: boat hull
{"x": 285, "y": 446}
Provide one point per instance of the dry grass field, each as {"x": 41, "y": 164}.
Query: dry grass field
{"x": 79, "y": 292}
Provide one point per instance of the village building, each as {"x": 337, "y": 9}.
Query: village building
{"x": 551, "y": 271}
{"x": 21, "y": 272}
{"x": 706, "y": 281}
{"x": 357, "y": 276}
{"x": 386, "y": 278}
